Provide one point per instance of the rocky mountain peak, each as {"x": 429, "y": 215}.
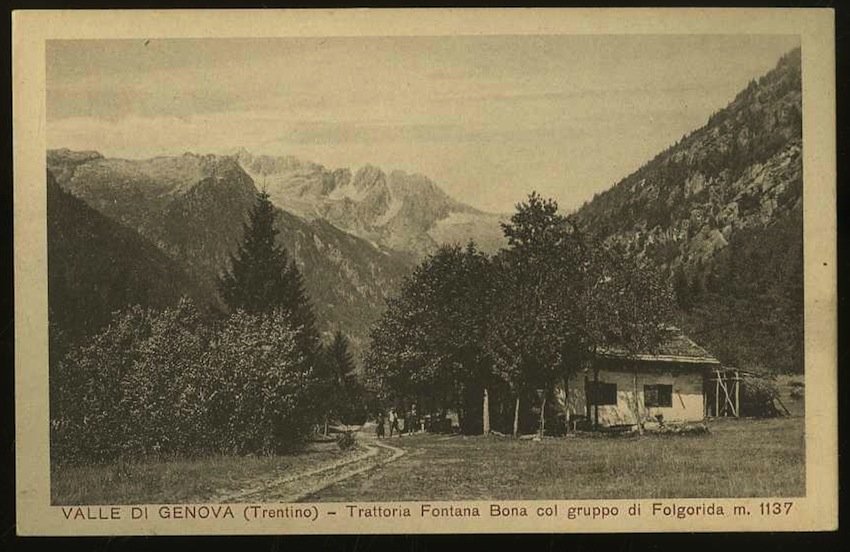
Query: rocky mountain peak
{"x": 396, "y": 210}
{"x": 65, "y": 155}
{"x": 369, "y": 177}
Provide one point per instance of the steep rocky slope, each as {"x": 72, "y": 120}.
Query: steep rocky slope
{"x": 721, "y": 213}
{"x": 97, "y": 266}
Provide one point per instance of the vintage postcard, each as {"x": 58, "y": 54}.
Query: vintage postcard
{"x": 425, "y": 271}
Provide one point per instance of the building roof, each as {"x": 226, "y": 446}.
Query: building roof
{"x": 675, "y": 347}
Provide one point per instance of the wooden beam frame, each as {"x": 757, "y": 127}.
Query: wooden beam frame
{"x": 731, "y": 387}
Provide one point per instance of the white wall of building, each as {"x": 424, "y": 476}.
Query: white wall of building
{"x": 687, "y": 404}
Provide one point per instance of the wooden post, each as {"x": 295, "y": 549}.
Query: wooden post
{"x": 486, "y": 414}
{"x": 727, "y": 398}
{"x": 542, "y": 415}
{"x": 596, "y": 399}
{"x": 787, "y": 412}
{"x": 717, "y": 394}
{"x": 516, "y": 416}
{"x": 737, "y": 395}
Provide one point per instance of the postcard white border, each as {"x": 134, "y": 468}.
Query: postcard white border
{"x": 817, "y": 511}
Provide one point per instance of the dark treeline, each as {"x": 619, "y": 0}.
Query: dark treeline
{"x": 479, "y": 335}
{"x": 465, "y": 329}
{"x": 184, "y": 381}
{"x": 748, "y": 305}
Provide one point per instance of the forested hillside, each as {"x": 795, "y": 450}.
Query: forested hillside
{"x": 96, "y": 267}
{"x": 192, "y": 208}
{"x": 720, "y": 213}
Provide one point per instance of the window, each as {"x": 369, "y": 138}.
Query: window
{"x": 601, "y": 393}
{"x": 658, "y": 395}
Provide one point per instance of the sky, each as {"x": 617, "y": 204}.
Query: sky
{"x": 488, "y": 118}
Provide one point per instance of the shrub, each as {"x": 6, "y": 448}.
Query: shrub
{"x": 345, "y": 440}
{"x": 264, "y": 386}
{"x": 88, "y": 421}
{"x": 163, "y": 383}
{"x": 164, "y": 395}
{"x": 682, "y": 430}
{"x": 758, "y": 396}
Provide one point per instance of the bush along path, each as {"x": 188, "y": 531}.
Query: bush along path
{"x": 371, "y": 453}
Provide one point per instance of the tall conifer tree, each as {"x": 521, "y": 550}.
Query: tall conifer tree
{"x": 340, "y": 361}
{"x": 343, "y": 396}
{"x": 263, "y": 278}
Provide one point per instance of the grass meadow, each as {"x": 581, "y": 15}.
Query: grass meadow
{"x": 738, "y": 458}
{"x": 180, "y": 480}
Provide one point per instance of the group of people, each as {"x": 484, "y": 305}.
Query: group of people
{"x": 394, "y": 421}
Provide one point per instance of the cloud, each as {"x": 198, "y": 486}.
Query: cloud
{"x": 488, "y": 117}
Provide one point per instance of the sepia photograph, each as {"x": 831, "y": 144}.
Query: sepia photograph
{"x": 425, "y": 276}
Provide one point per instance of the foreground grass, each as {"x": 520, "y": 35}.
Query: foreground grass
{"x": 739, "y": 458}
{"x": 181, "y": 480}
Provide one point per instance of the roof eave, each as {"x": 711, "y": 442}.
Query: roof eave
{"x": 662, "y": 358}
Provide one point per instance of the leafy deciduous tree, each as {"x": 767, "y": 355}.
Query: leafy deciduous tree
{"x": 429, "y": 345}
{"x": 541, "y": 308}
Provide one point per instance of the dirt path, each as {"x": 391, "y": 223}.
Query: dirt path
{"x": 385, "y": 455}
{"x": 370, "y": 482}
{"x": 298, "y": 487}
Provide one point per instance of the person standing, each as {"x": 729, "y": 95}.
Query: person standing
{"x": 379, "y": 428}
{"x": 410, "y": 421}
{"x": 394, "y": 422}
{"x": 414, "y": 420}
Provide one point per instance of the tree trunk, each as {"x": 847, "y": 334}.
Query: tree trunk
{"x": 543, "y": 416}
{"x": 638, "y": 420}
{"x": 516, "y": 417}
{"x": 485, "y": 416}
{"x": 595, "y": 402}
{"x": 326, "y": 427}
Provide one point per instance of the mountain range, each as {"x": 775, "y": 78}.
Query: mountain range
{"x": 401, "y": 211}
{"x": 190, "y": 210}
{"x": 719, "y": 212}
